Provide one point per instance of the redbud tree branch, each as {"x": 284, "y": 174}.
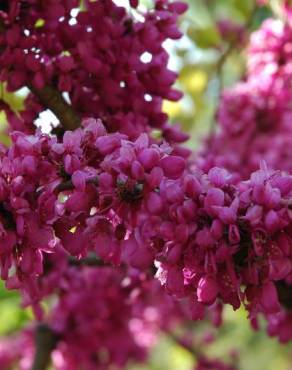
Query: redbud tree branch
{"x": 225, "y": 55}
{"x": 232, "y": 45}
{"x": 52, "y": 99}
{"x": 45, "y": 341}
{"x": 68, "y": 185}
{"x": 93, "y": 261}
{"x": 196, "y": 353}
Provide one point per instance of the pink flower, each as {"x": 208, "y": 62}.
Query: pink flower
{"x": 173, "y": 166}
{"x": 207, "y": 290}
{"x": 269, "y": 298}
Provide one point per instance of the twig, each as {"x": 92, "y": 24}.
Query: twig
{"x": 68, "y": 185}
{"x": 87, "y": 261}
{"x": 232, "y": 44}
{"x": 45, "y": 341}
{"x": 52, "y": 99}
{"x": 193, "y": 351}
{"x": 224, "y": 56}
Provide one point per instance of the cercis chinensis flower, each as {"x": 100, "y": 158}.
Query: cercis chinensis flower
{"x": 171, "y": 236}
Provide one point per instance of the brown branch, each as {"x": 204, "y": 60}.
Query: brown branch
{"x": 232, "y": 45}
{"x": 45, "y": 341}
{"x": 222, "y": 60}
{"x": 192, "y": 350}
{"x": 68, "y": 185}
{"x": 2, "y": 25}
{"x": 87, "y": 261}
{"x": 52, "y": 99}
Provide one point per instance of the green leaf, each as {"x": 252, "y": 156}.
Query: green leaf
{"x": 205, "y": 38}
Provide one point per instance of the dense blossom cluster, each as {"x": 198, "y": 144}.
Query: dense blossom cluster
{"x": 241, "y": 238}
{"x": 119, "y": 76}
{"x": 100, "y": 301}
{"x": 135, "y": 202}
{"x": 254, "y": 116}
{"x": 104, "y": 301}
{"x": 214, "y": 232}
{"x": 86, "y": 193}
{"x": 254, "y": 124}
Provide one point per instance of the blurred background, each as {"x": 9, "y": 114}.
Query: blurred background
{"x": 209, "y": 57}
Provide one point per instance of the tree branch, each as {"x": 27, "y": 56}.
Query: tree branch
{"x": 68, "y": 185}
{"x": 87, "y": 261}
{"x": 53, "y": 100}
{"x": 192, "y": 350}
{"x": 224, "y": 56}
{"x": 45, "y": 341}
{"x": 222, "y": 60}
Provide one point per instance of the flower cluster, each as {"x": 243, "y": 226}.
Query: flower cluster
{"x": 133, "y": 203}
{"x": 84, "y": 193}
{"x": 270, "y": 52}
{"x": 254, "y": 116}
{"x": 226, "y": 241}
{"x": 254, "y": 124}
{"x": 136, "y": 203}
{"x": 120, "y": 75}
{"x": 103, "y": 301}
{"x": 100, "y": 301}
